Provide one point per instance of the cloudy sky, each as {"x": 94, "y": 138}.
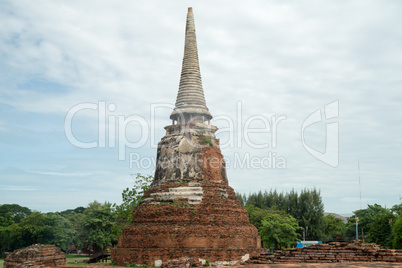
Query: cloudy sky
{"x": 80, "y": 80}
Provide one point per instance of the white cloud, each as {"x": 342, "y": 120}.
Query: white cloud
{"x": 277, "y": 58}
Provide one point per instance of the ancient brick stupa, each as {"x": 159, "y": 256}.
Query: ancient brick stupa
{"x": 190, "y": 210}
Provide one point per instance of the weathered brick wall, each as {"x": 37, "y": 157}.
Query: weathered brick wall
{"x": 150, "y": 255}
{"x": 332, "y": 252}
{"x": 36, "y": 255}
{"x": 217, "y": 229}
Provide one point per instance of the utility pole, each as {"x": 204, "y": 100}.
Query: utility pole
{"x": 357, "y": 233}
{"x": 360, "y": 188}
{"x": 306, "y": 231}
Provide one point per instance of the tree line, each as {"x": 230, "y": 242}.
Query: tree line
{"x": 89, "y": 229}
{"x": 281, "y": 220}
{"x": 284, "y": 218}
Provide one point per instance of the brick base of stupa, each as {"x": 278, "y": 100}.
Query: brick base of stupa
{"x": 149, "y": 256}
{"x": 201, "y": 219}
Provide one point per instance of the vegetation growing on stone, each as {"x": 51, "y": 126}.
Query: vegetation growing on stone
{"x": 206, "y": 140}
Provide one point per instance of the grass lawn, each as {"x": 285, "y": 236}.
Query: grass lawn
{"x": 72, "y": 260}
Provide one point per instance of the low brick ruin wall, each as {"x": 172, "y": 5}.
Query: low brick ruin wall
{"x": 332, "y": 252}
{"x": 36, "y": 256}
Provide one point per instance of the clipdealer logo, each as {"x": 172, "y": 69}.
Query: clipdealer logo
{"x": 112, "y": 133}
{"x": 328, "y": 114}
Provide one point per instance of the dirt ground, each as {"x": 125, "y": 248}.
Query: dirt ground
{"x": 302, "y": 265}
{"x": 330, "y": 265}
{"x": 288, "y": 265}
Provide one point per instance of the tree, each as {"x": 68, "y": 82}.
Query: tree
{"x": 242, "y": 198}
{"x": 6, "y": 219}
{"x": 365, "y": 216}
{"x": 31, "y": 229}
{"x": 10, "y": 231}
{"x": 397, "y": 209}
{"x": 306, "y": 207}
{"x": 131, "y": 198}
{"x": 50, "y": 228}
{"x": 58, "y": 231}
{"x": 310, "y": 213}
{"x": 10, "y": 238}
{"x": 97, "y": 230}
{"x": 256, "y": 215}
{"x": 380, "y": 230}
{"x": 397, "y": 233}
{"x": 74, "y": 218}
{"x": 69, "y": 212}
{"x": 76, "y": 223}
{"x": 16, "y": 212}
{"x": 333, "y": 228}
{"x": 279, "y": 230}
{"x": 256, "y": 200}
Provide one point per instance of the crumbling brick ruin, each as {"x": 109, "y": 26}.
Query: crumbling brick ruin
{"x": 190, "y": 210}
{"x": 329, "y": 253}
{"x": 36, "y": 256}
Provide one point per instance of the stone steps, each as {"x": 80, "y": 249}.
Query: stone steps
{"x": 185, "y": 189}
{"x": 193, "y": 195}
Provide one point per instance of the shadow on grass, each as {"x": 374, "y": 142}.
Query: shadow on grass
{"x": 78, "y": 260}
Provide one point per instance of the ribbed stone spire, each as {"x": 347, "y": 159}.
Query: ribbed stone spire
{"x": 190, "y": 100}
